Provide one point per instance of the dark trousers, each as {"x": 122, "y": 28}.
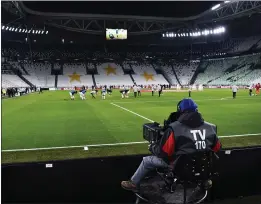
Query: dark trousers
{"x": 234, "y": 94}
{"x": 139, "y": 93}
{"x": 160, "y": 93}
{"x": 250, "y": 92}
{"x": 135, "y": 94}
{"x": 189, "y": 93}
{"x": 152, "y": 93}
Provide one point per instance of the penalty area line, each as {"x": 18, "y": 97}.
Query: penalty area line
{"x": 113, "y": 144}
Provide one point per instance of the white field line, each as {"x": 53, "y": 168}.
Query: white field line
{"x": 113, "y": 144}
{"x": 132, "y": 112}
{"x": 174, "y": 100}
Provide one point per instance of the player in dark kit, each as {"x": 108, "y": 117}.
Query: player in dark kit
{"x": 72, "y": 93}
{"x": 40, "y": 90}
{"x": 160, "y": 87}
{"x": 250, "y": 90}
{"x": 109, "y": 90}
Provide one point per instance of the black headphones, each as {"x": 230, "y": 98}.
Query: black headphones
{"x": 178, "y": 107}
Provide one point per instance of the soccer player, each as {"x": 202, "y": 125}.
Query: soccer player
{"x": 93, "y": 93}
{"x": 122, "y": 91}
{"x": 153, "y": 88}
{"x": 109, "y": 90}
{"x": 234, "y": 91}
{"x": 135, "y": 90}
{"x": 72, "y": 94}
{"x": 127, "y": 91}
{"x": 250, "y": 90}
{"x": 103, "y": 92}
{"x": 190, "y": 89}
{"x": 159, "y": 88}
{"x": 82, "y": 94}
{"x": 139, "y": 92}
{"x": 258, "y": 86}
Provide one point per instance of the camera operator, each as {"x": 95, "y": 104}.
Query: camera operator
{"x": 186, "y": 134}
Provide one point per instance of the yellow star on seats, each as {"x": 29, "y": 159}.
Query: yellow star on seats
{"x": 75, "y": 77}
{"x": 110, "y": 70}
{"x": 148, "y": 76}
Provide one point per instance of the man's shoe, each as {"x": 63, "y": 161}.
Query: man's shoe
{"x": 197, "y": 194}
{"x": 128, "y": 185}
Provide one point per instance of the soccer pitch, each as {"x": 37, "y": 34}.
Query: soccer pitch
{"x": 49, "y": 126}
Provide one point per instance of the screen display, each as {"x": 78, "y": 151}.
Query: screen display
{"x": 116, "y": 34}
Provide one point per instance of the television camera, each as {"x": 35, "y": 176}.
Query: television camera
{"x": 152, "y": 132}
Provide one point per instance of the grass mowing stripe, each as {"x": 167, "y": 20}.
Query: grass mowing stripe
{"x": 113, "y": 144}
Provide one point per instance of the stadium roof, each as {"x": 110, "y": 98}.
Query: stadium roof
{"x": 138, "y": 8}
{"x": 181, "y": 17}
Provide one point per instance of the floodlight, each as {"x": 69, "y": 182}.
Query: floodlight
{"x": 3, "y": 27}
{"x": 47, "y": 32}
{"x": 16, "y": 29}
{"x": 215, "y": 7}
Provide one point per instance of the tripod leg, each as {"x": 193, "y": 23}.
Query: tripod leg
{"x": 185, "y": 194}
{"x": 137, "y": 200}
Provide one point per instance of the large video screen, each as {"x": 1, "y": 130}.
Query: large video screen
{"x": 116, "y": 34}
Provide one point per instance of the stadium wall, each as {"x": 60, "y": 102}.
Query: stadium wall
{"x": 97, "y": 180}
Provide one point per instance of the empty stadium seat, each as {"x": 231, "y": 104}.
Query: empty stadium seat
{"x": 12, "y": 81}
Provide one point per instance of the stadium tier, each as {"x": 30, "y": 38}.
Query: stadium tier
{"x": 12, "y": 81}
{"x": 111, "y": 74}
{"x": 37, "y": 68}
{"x": 240, "y": 70}
{"x": 169, "y": 73}
{"x": 235, "y": 70}
{"x": 185, "y": 71}
{"x": 73, "y": 80}
{"x": 145, "y": 74}
{"x": 74, "y": 68}
{"x": 47, "y": 81}
{"x": 245, "y": 44}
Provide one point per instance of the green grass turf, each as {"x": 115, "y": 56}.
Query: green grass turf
{"x": 51, "y": 119}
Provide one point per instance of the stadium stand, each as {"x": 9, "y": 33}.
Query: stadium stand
{"x": 245, "y": 44}
{"x": 145, "y": 74}
{"x": 111, "y": 74}
{"x": 41, "y": 81}
{"x": 12, "y": 81}
{"x": 17, "y": 66}
{"x": 74, "y": 80}
{"x": 70, "y": 68}
{"x": 185, "y": 71}
{"x": 38, "y": 68}
{"x": 167, "y": 68}
{"x": 239, "y": 70}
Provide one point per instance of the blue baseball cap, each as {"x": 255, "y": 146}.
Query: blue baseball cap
{"x": 188, "y": 104}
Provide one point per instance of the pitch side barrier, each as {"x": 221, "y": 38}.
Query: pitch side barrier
{"x": 97, "y": 180}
